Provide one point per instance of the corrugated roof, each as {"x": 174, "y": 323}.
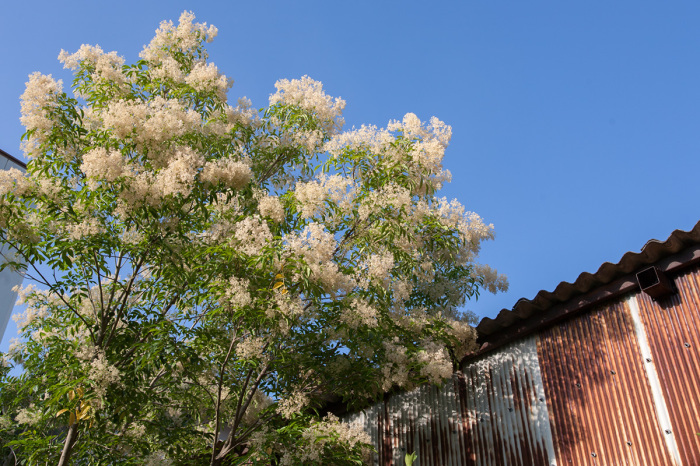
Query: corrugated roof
{"x": 525, "y": 310}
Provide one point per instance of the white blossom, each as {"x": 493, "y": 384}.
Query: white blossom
{"x": 15, "y": 182}
{"x": 292, "y": 404}
{"x": 232, "y": 173}
{"x": 251, "y": 348}
{"x": 205, "y": 77}
{"x": 30, "y": 415}
{"x": 313, "y": 195}
{"x": 101, "y": 373}
{"x": 184, "y": 38}
{"x": 102, "y": 164}
{"x": 309, "y": 95}
{"x": 107, "y": 66}
{"x": 435, "y": 360}
{"x": 251, "y": 235}
{"x": 40, "y": 95}
{"x": 271, "y": 207}
{"x": 237, "y": 294}
{"x": 360, "y": 312}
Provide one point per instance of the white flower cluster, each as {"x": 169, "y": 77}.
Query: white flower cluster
{"x": 177, "y": 177}
{"x": 150, "y": 124}
{"x": 391, "y": 196}
{"x": 236, "y": 293}
{"x": 30, "y": 415}
{"x": 465, "y": 335}
{"x": 493, "y": 281}
{"x": 205, "y": 77}
{"x": 309, "y": 95}
{"x": 40, "y": 93}
{"x": 430, "y": 142}
{"x": 14, "y": 181}
{"x": 103, "y": 165}
{"x": 242, "y": 114}
{"x": 251, "y": 235}
{"x": 358, "y": 313}
{"x": 88, "y": 227}
{"x": 402, "y": 290}
{"x": 313, "y": 195}
{"x": 102, "y": 374}
{"x": 316, "y": 247}
{"x": 319, "y": 434}
{"x": 132, "y": 237}
{"x": 367, "y": 137}
{"x": 184, "y": 38}
{"x": 395, "y": 369}
{"x": 5, "y": 422}
{"x": 435, "y": 362}
{"x": 292, "y": 404}
{"x": 37, "y": 304}
{"x": 251, "y": 347}
{"x": 423, "y": 159}
{"x": 157, "y": 458}
{"x": 286, "y": 306}
{"x": 471, "y": 226}
{"x": 14, "y": 351}
{"x": 43, "y": 336}
{"x": 379, "y": 265}
{"x": 107, "y": 66}
{"x": 311, "y": 140}
{"x": 271, "y": 207}
{"x": 232, "y": 173}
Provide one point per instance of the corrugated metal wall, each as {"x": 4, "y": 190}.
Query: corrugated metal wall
{"x": 617, "y": 384}
{"x": 494, "y": 412}
{"x": 673, "y": 327}
{"x": 504, "y": 407}
{"x": 426, "y": 420}
{"x": 601, "y": 405}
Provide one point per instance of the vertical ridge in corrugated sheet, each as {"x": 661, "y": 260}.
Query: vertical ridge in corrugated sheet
{"x": 599, "y": 397}
{"x": 674, "y": 339}
{"x": 488, "y": 414}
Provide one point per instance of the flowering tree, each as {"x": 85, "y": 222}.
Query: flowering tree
{"x": 219, "y": 273}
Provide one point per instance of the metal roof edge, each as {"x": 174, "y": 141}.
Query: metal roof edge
{"x": 680, "y": 249}
{"x": 14, "y": 159}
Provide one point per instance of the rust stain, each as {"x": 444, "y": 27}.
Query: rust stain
{"x": 489, "y": 415}
{"x": 672, "y": 325}
{"x": 598, "y": 396}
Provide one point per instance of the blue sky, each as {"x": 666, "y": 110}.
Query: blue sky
{"x": 575, "y": 127}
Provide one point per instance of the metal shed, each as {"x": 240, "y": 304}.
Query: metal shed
{"x": 601, "y": 371}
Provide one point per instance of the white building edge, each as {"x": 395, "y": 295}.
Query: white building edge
{"x": 8, "y": 278}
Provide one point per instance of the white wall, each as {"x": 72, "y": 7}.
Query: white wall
{"x": 8, "y": 278}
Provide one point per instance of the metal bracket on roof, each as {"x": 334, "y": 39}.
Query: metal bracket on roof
{"x": 655, "y": 283}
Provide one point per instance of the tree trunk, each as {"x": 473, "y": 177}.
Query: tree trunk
{"x": 68, "y": 445}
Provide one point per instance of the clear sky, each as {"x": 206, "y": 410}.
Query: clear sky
{"x": 575, "y": 127}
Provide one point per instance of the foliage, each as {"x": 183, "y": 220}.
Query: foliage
{"x": 409, "y": 459}
{"x": 218, "y": 274}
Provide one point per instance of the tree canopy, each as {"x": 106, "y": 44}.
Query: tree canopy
{"x": 206, "y": 276}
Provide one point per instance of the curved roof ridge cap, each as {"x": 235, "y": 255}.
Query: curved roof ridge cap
{"x": 613, "y": 270}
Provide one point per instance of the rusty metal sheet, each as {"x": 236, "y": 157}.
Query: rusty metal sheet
{"x": 673, "y": 328}
{"x": 494, "y": 412}
{"x": 600, "y": 402}
{"x": 505, "y": 411}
